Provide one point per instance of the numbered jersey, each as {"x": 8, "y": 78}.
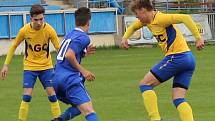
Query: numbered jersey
{"x": 77, "y": 40}
{"x": 169, "y": 37}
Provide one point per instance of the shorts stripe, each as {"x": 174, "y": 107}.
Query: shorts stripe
{"x": 85, "y": 90}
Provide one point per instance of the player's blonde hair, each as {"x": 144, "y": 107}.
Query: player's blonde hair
{"x": 139, "y": 4}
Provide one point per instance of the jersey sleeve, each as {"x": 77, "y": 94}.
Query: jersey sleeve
{"x": 54, "y": 38}
{"x": 168, "y": 19}
{"x": 79, "y": 44}
{"x": 19, "y": 38}
{"x": 132, "y": 28}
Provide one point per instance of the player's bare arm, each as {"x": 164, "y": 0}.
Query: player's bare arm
{"x": 70, "y": 55}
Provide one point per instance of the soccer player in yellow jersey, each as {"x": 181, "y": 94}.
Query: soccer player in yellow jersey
{"x": 178, "y": 62}
{"x": 37, "y": 60}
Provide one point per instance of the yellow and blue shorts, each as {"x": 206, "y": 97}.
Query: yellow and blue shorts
{"x": 179, "y": 66}
{"x": 45, "y": 77}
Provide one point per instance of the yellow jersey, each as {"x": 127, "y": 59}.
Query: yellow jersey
{"x": 37, "y": 55}
{"x": 169, "y": 37}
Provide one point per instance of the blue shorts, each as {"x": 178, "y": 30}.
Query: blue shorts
{"x": 30, "y": 77}
{"x": 180, "y": 66}
{"x": 71, "y": 93}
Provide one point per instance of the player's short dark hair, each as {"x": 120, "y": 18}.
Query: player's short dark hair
{"x": 82, "y": 16}
{"x": 139, "y": 4}
{"x": 36, "y": 10}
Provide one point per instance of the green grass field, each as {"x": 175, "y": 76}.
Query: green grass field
{"x": 115, "y": 91}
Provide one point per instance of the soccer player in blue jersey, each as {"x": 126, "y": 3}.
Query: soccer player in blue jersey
{"x": 178, "y": 62}
{"x": 70, "y": 74}
{"x": 37, "y": 61}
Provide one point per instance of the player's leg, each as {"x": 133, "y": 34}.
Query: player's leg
{"x": 181, "y": 83}
{"x": 65, "y": 93}
{"x": 68, "y": 114}
{"x": 149, "y": 96}
{"x": 180, "y": 86}
{"x": 183, "y": 107}
{"x": 88, "y": 111}
{"x": 55, "y": 107}
{"x": 60, "y": 89}
{"x": 29, "y": 79}
{"x": 24, "y": 106}
{"x": 78, "y": 95}
{"x": 161, "y": 72}
{"x": 45, "y": 77}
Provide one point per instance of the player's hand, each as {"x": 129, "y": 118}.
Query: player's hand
{"x": 124, "y": 43}
{"x": 90, "y": 50}
{"x": 4, "y": 72}
{"x": 88, "y": 75}
{"x": 200, "y": 44}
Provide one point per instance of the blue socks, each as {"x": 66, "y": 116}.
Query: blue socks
{"x": 92, "y": 117}
{"x": 178, "y": 101}
{"x": 26, "y": 98}
{"x": 70, "y": 113}
{"x": 52, "y": 98}
{"x": 144, "y": 88}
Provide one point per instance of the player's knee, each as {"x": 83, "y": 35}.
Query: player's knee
{"x": 50, "y": 91}
{"x": 144, "y": 88}
{"x": 28, "y": 91}
{"x": 26, "y": 98}
{"x": 149, "y": 79}
{"x": 52, "y": 98}
{"x": 178, "y": 101}
{"x": 86, "y": 112}
{"x": 86, "y": 109}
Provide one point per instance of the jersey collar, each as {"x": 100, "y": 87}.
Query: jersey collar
{"x": 79, "y": 29}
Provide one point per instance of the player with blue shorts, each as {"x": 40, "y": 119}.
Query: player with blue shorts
{"x": 70, "y": 74}
{"x": 178, "y": 62}
{"x": 37, "y": 61}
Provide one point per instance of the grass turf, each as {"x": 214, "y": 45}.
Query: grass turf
{"x": 115, "y": 91}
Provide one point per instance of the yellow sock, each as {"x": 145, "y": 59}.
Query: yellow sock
{"x": 150, "y": 102}
{"x": 23, "y": 111}
{"x": 185, "y": 112}
{"x": 55, "y": 109}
